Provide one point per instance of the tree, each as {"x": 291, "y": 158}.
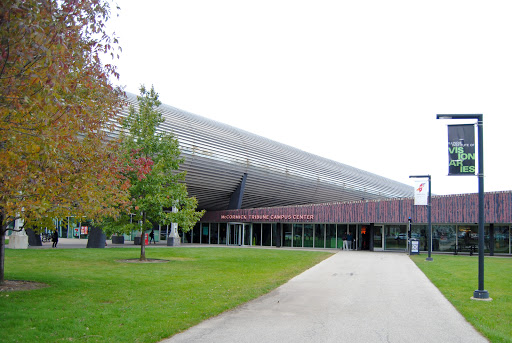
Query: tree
{"x": 57, "y": 105}
{"x": 153, "y": 157}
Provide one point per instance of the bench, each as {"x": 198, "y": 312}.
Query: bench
{"x": 465, "y": 247}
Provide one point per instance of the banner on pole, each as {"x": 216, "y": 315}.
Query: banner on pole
{"x": 421, "y": 193}
{"x": 461, "y": 149}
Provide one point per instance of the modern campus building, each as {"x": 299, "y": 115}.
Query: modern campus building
{"x": 258, "y": 192}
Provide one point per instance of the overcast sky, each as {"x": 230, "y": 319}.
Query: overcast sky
{"x": 359, "y": 82}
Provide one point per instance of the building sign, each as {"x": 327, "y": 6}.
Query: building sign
{"x": 421, "y": 193}
{"x": 461, "y": 149}
{"x": 268, "y": 217}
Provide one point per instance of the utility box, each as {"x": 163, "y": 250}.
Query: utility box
{"x": 414, "y": 247}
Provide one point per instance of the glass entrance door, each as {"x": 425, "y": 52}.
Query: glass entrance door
{"x": 234, "y": 234}
{"x": 378, "y": 241}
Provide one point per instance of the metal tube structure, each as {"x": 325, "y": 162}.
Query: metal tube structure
{"x": 480, "y": 293}
{"x": 429, "y": 209}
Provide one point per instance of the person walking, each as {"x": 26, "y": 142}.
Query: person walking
{"x": 345, "y": 242}
{"x": 55, "y": 239}
{"x": 349, "y": 240}
{"x": 152, "y": 237}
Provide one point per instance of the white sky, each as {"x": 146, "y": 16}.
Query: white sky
{"x": 359, "y": 82}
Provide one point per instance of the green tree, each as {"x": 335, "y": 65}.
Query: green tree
{"x": 57, "y": 103}
{"x": 153, "y": 157}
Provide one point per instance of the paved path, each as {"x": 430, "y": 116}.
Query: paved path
{"x": 352, "y": 296}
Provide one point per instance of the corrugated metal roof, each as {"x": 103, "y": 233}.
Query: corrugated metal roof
{"x": 217, "y": 155}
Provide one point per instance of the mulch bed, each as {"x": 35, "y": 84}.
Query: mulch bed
{"x": 20, "y": 285}
{"x": 148, "y": 260}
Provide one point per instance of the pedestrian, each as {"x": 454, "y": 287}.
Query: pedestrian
{"x": 55, "y": 239}
{"x": 349, "y": 239}
{"x": 152, "y": 237}
{"x": 345, "y": 242}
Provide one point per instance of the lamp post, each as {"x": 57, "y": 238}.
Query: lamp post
{"x": 429, "y": 209}
{"x": 480, "y": 293}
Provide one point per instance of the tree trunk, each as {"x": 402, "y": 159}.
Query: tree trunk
{"x": 2, "y": 254}
{"x": 142, "y": 238}
{"x": 3, "y": 230}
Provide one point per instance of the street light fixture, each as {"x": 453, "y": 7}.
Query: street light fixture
{"x": 429, "y": 209}
{"x": 480, "y": 293}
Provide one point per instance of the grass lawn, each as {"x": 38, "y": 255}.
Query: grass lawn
{"x": 94, "y": 298}
{"x": 457, "y": 278}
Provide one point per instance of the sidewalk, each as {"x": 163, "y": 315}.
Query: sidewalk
{"x": 74, "y": 243}
{"x": 353, "y": 296}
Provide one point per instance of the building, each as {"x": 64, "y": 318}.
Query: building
{"x": 260, "y": 192}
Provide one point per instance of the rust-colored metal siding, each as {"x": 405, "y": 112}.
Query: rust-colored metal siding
{"x": 445, "y": 209}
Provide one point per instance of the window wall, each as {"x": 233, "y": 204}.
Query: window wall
{"x": 297, "y": 235}
{"x": 445, "y": 237}
{"x": 223, "y": 231}
{"x": 256, "y": 234}
{"x": 502, "y": 239}
{"x": 308, "y": 235}
{"x": 267, "y": 234}
{"x": 330, "y": 236}
{"x": 395, "y": 236}
{"x": 214, "y": 233}
{"x": 319, "y": 235}
{"x": 342, "y": 230}
{"x": 288, "y": 235}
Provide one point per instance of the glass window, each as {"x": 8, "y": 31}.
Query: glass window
{"x": 420, "y": 232}
{"x": 256, "y": 234}
{"x": 287, "y": 232}
{"x": 297, "y": 235}
{"x": 205, "y": 233}
{"x": 223, "y": 228}
{"x": 443, "y": 237}
{"x": 247, "y": 234}
{"x": 187, "y": 236}
{"x": 164, "y": 229}
{"x": 352, "y": 228}
{"x": 330, "y": 236}
{"x": 267, "y": 236}
{"x": 214, "y": 233}
{"x": 319, "y": 235}
{"x": 467, "y": 236}
{"x": 277, "y": 239}
{"x": 501, "y": 239}
{"x": 195, "y": 234}
{"x": 396, "y": 237}
{"x": 308, "y": 235}
{"x": 342, "y": 229}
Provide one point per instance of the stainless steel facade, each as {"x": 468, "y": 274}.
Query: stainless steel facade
{"x": 218, "y": 155}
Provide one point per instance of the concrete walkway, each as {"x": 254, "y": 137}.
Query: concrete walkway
{"x": 353, "y": 296}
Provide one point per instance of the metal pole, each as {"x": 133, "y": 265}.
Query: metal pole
{"x": 481, "y": 293}
{"x": 429, "y": 214}
{"x": 429, "y": 258}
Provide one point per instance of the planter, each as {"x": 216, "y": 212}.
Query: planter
{"x": 117, "y": 239}
{"x": 173, "y": 241}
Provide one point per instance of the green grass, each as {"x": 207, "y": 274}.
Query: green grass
{"x": 94, "y": 298}
{"x": 457, "y": 278}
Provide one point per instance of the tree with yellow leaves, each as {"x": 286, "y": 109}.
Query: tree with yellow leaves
{"x": 57, "y": 106}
